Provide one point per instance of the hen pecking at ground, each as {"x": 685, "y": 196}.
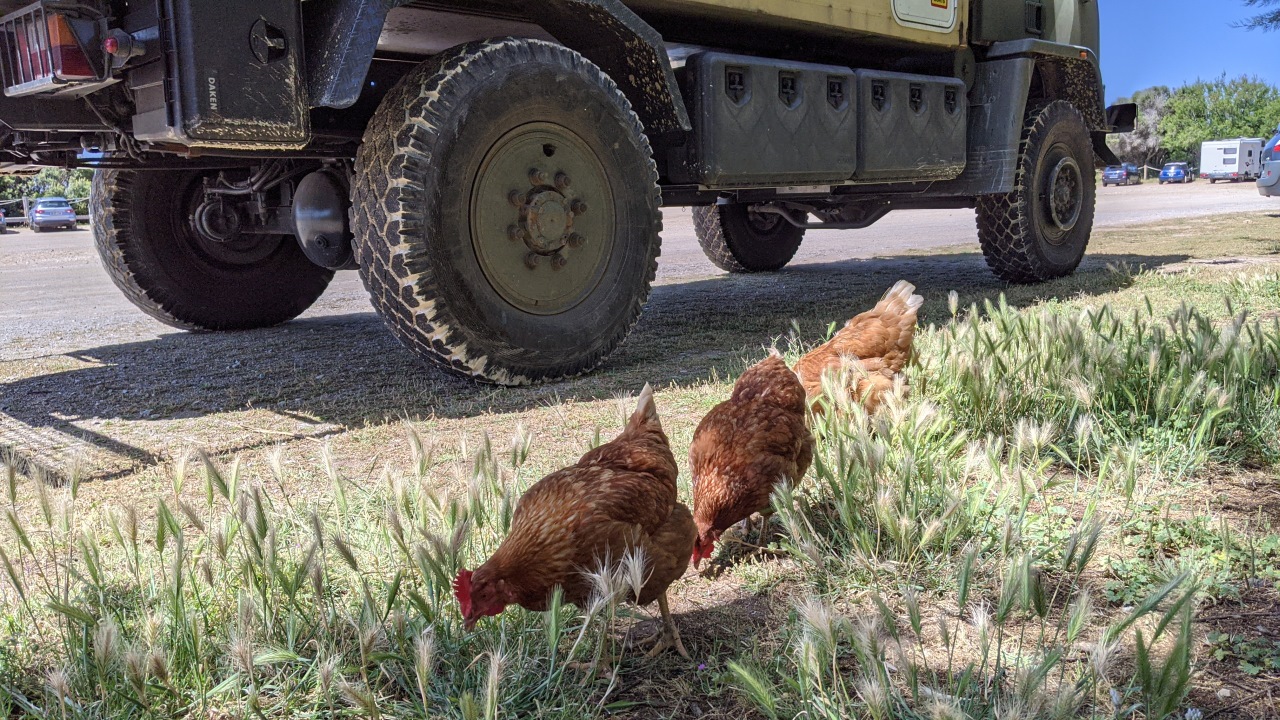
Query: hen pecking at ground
{"x": 618, "y": 499}
{"x": 744, "y": 447}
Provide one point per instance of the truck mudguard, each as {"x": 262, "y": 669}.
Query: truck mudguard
{"x": 997, "y": 105}
{"x": 1069, "y": 72}
{"x": 343, "y": 34}
{"x": 340, "y": 37}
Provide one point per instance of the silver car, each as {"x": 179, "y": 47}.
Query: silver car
{"x": 52, "y": 212}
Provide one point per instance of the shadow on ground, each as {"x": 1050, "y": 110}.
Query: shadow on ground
{"x": 338, "y": 372}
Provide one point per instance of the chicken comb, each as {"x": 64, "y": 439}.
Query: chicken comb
{"x": 462, "y": 591}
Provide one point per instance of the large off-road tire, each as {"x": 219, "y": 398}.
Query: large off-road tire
{"x": 506, "y": 212}
{"x": 737, "y": 240}
{"x": 1041, "y": 229}
{"x": 148, "y": 243}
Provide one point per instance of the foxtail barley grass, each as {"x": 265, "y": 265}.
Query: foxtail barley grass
{"x": 240, "y": 605}
{"x": 934, "y": 577}
{"x": 948, "y": 491}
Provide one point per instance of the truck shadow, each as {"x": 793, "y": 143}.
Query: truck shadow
{"x": 127, "y": 406}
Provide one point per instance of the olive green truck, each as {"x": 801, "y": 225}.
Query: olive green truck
{"x": 495, "y": 169}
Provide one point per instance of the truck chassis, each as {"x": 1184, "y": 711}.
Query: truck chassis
{"x": 495, "y": 170}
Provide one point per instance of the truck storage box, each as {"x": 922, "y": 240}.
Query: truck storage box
{"x": 244, "y": 88}
{"x": 767, "y": 122}
{"x": 911, "y": 127}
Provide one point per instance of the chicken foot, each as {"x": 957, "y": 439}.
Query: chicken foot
{"x": 666, "y": 638}
{"x": 747, "y": 525}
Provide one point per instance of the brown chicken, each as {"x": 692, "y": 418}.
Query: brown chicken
{"x": 618, "y": 498}
{"x": 744, "y": 447}
{"x": 871, "y": 349}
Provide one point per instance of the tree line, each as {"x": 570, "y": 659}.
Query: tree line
{"x": 49, "y": 182}
{"x": 1172, "y": 124}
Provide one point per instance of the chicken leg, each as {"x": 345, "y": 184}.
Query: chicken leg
{"x": 668, "y": 637}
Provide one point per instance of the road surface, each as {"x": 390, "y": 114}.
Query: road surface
{"x": 55, "y": 297}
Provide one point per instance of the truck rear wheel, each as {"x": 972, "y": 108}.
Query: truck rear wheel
{"x": 1041, "y": 229}
{"x": 738, "y": 240}
{"x": 149, "y": 245}
{"x": 506, "y": 212}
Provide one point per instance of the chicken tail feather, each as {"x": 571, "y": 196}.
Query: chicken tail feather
{"x": 646, "y": 409}
{"x": 902, "y": 294}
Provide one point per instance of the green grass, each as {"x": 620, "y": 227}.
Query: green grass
{"x": 1027, "y": 531}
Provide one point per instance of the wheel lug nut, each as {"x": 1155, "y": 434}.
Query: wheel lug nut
{"x": 532, "y": 259}
{"x": 515, "y": 233}
{"x": 575, "y": 240}
{"x": 578, "y": 207}
{"x": 537, "y": 177}
{"x": 562, "y": 181}
{"x": 515, "y": 197}
{"x": 558, "y": 261}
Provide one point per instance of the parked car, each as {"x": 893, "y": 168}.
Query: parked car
{"x": 53, "y": 212}
{"x": 1176, "y": 172}
{"x": 1126, "y": 174}
{"x": 1269, "y": 180}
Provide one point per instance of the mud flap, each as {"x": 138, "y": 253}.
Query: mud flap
{"x": 1103, "y": 151}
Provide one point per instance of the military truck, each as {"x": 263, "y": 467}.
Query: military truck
{"x": 495, "y": 169}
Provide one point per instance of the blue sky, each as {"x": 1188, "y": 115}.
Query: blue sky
{"x": 1172, "y": 42}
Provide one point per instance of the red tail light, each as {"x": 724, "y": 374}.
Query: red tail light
{"x": 39, "y": 52}
{"x": 69, "y": 61}
{"x": 39, "y": 211}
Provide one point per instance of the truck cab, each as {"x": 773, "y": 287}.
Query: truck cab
{"x": 495, "y": 169}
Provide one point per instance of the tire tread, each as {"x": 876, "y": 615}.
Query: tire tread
{"x": 390, "y": 168}
{"x": 1004, "y": 228}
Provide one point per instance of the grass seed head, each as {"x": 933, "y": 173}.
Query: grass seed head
{"x": 240, "y": 652}
{"x": 135, "y": 671}
{"x": 11, "y": 477}
{"x": 1101, "y": 657}
{"x": 633, "y": 568}
{"x": 818, "y": 619}
{"x": 874, "y": 695}
{"x": 106, "y": 643}
{"x": 158, "y": 666}
{"x": 59, "y": 681}
{"x": 606, "y": 585}
{"x": 371, "y": 636}
{"x": 316, "y": 574}
{"x": 424, "y": 650}
{"x": 360, "y": 697}
{"x": 344, "y": 550}
{"x": 326, "y": 671}
{"x": 943, "y": 707}
{"x": 492, "y": 683}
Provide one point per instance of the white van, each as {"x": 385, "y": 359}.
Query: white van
{"x": 1234, "y": 160}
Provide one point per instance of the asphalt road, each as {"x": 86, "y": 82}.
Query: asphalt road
{"x": 56, "y": 298}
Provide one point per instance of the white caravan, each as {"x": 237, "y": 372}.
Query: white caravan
{"x": 1234, "y": 160}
